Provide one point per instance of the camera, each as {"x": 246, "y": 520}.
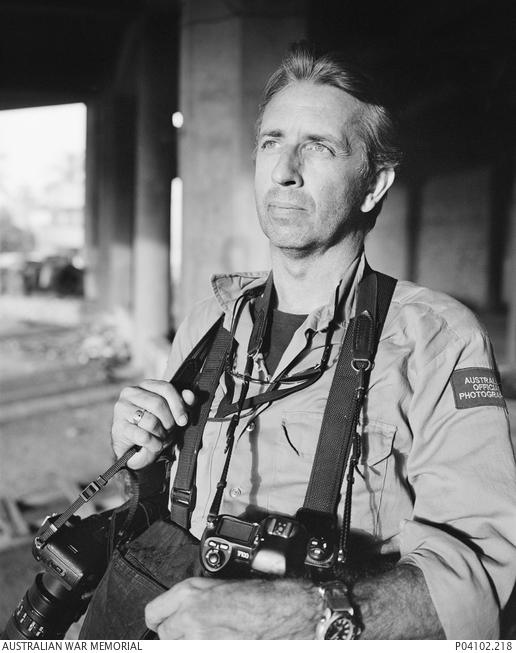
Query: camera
{"x": 322, "y": 545}
{"x": 232, "y": 548}
{"x": 74, "y": 558}
{"x": 278, "y": 545}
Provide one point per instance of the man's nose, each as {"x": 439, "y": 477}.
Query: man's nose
{"x": 287, "y": 171}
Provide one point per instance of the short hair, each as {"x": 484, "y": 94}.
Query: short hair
{"x": 377, "y": 129}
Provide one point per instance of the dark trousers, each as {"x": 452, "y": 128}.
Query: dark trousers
{"x": 155, "y": 561}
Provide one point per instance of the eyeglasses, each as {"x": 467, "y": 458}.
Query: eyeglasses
{"x": 295, "y": 382}
{"x": 283, "y": 377}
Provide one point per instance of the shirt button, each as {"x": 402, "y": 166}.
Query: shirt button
{"x": 235, "y": 492}
{"x": 251, "y": 426}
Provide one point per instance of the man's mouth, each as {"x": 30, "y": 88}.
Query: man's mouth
{"x": 287, "y": 206}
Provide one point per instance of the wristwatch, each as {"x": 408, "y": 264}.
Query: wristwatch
{"x": 339, "y": 620}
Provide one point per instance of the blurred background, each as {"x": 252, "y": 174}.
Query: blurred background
{"x": 126, "y": 139}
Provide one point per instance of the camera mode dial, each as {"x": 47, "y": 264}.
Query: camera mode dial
{"x": 318, "y": 549}
{"x": 214, "y": 558}
{"x": 216, "y": 554}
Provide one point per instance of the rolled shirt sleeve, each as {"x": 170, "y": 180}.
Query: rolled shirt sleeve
{"x": 462, "y": 532}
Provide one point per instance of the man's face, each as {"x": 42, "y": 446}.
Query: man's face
{"x": 309, "y": 179}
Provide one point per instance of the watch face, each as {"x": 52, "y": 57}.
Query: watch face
{"x": 341, "y": 628}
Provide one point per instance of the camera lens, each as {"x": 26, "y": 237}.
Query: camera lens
{"x": 45, "y": 612}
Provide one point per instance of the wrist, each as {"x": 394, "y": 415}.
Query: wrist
{"x": 340, "y": 618}
{"x": 313, "y": 600}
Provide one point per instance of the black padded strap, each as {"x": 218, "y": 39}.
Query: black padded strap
{"x": 183, "y": 491}
{"x": 190, "y": 368}
{"x": 348, "y": 386}
{"x": 386, "y": 287}
{"x": 334, "y": 441}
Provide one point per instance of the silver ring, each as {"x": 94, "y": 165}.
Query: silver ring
{"x": 137, "y": 417}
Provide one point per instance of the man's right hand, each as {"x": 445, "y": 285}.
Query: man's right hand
{"x": 164, "y": 408}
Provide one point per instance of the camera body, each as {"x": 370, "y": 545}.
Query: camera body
{"x": 74, "y": 558}
{"x": 322, "y": 545}
{"x": 232, "y": 547}
{"x": 278, "y": 545}
{"x": 77, "y": 554}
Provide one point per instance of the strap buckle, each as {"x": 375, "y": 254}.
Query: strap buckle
{"x": 361, "y": 364}
{"x": 181, "y": 497}
{"x": 90, "y": 491}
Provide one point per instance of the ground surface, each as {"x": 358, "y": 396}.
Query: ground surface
{"x": 56, "y": 403}
{"x": 44, "y": 453}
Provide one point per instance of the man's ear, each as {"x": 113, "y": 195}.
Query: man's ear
{"x": 378, "y": 188}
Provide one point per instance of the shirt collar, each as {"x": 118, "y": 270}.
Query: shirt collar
{"x": 228, "y": 288}
{"x": 343, "y": 299}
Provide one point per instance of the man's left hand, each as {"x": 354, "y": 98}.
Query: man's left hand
{"x": 210, "y": 608}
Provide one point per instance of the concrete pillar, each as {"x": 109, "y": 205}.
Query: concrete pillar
{"x": 501, "y": 199}
{"x": 415, "y": 187}
{"x": 120, "y": 288}
{"x": 116, "y": 204}
{"x": 227, "y": 53}
{"x": 455, "y": 215}
{"x": 511, "y": 285}
{"x": 155, "y": 168}
{"x": 91, "y": 211}
{"x": 387, "y": 244}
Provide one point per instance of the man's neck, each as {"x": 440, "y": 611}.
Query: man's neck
{"x": 305, "y": 282}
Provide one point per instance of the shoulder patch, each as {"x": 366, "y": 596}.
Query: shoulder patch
{"x": 476, "y": 386}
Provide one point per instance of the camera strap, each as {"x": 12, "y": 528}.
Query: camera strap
{"x": 254, "y": 348}
{"x": 216, "y": 341}
{"x": 339, "y": 442}
{"x": 343, "y": 406}
{"x": 183, "y": 494}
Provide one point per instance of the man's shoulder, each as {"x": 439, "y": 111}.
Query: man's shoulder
{"x": 227, "y": 288}
{"x": 426, "y": 313}
{"x": 203, "y": 312}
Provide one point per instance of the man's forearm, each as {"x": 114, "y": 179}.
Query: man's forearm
{"x": 393, "y": 605}
{"x": 397, "y": 605}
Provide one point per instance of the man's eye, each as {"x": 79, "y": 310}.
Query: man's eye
{"x": 318, "y": 147}
{"x": 268, "y": 144}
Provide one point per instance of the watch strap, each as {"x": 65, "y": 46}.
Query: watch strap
{"x": 339, "y": 619}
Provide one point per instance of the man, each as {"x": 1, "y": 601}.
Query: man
{"x": 436, "y": 481}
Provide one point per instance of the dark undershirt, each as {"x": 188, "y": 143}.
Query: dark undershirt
{"x": 282, "y": 328}
{"x": 280, "y": 332}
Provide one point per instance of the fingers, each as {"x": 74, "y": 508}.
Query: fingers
{"x": 212, "y": 608}
{"x": 140, "y": 459}
{"x": 188, "y": 397}
{"x": 164, "y": 606}
{"x": 149, "y": 422}
{"x": 181, "y": 596}
{"x": 161, "y": 608}
{"x": 143, "y": 438}
{"x": 163, "y": 408}
{"x": 158, "y": 399}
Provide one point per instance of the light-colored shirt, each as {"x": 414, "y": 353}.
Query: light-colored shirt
{"x": 437, "y": 479}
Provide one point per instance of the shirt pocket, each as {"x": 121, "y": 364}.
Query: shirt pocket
{"x": 299, "y": 432}
{"x": 377, "y": 462}
{"x": 292, "y": 454}
{"x": 379, "y": 497}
